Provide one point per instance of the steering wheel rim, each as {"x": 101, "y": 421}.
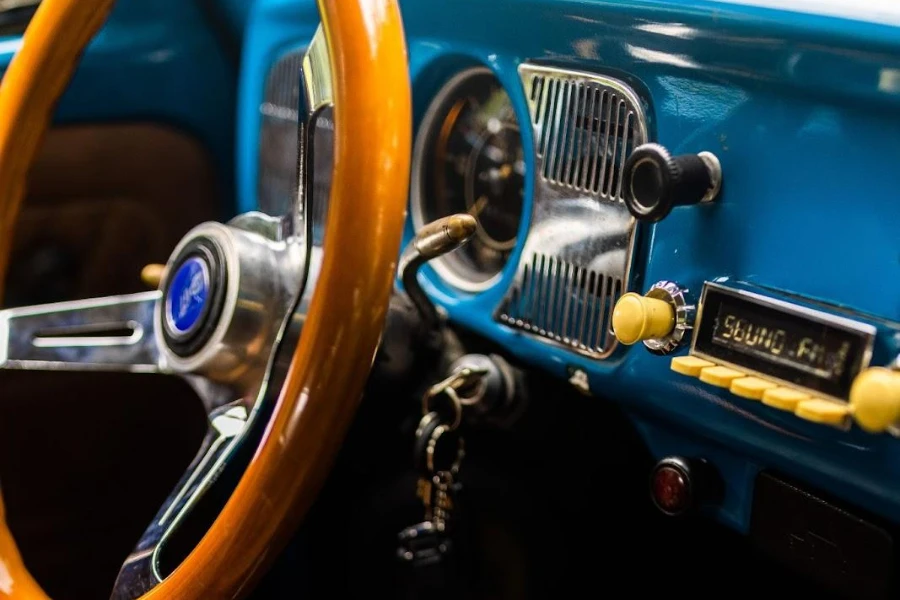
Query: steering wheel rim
{"x": 330, "y": 364}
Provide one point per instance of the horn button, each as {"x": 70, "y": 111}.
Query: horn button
{"x": 194, "y": 296}
{"x": 224, "y": 297}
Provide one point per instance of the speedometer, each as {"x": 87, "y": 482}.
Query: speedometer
{"x": 469, "y": 158}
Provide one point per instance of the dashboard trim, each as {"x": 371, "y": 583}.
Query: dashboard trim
{"x": 579, "y": 251}
{"x": 775, "y": 94}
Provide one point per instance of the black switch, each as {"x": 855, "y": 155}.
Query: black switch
{"x": 656, "y": 182}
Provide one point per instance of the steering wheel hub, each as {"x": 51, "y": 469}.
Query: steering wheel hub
{"x": 225, "y": 294}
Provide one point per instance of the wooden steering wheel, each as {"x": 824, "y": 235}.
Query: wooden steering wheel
{"x": 214, "y": 321}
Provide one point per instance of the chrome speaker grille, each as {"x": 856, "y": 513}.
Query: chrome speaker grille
{"x": 577, "y": 257}
{"x": 278, "y": 136}
{"x": 586, "y": 133}
{"x": 564, "y": 301}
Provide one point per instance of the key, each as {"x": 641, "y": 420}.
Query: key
{"x": 424, "y": 545}
{"x": 427, "y": 547}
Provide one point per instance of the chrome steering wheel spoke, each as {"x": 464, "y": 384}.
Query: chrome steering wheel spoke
{"x": 141, "y": 570}
{"x": 111, "y": 333}
{"x": 268, "y": 269}
{"x": 115, "y": 333}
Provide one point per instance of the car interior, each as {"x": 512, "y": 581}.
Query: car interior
{"x": 449, "y": 299}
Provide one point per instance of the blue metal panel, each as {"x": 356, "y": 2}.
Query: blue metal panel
{"x": 802, "y": 111}
{"x": 155, "y": 60}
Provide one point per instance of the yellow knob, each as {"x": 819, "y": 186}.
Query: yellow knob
{"x": 875, "y": 399}
{"x": 636, "y": 318}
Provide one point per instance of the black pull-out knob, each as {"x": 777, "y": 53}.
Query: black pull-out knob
{"x": 655, "y": 181}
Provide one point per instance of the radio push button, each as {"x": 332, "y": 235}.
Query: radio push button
{"x": 875, "y": 399}
{"x": 689, "y": 365}
{"x": 720, "y": 376}
{"x": 804, "y": 406}
{"x": 751, "y": 388}
{"x": 784, "y": 398}
{"x": 824, "y": 412}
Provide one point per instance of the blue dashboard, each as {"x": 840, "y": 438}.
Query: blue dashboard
{"x": 800, "y": 108}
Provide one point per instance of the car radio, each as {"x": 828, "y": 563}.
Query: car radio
{"x": 788, "y": 343}
{"x": 788, "y": 353}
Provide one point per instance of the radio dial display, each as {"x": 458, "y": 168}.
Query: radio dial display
{"x": 800, "y": 346}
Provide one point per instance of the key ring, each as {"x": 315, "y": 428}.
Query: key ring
{"x": 449, "y": 387}
{"x": 455, "y": 403}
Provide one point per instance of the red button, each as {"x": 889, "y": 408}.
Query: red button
{"x": 671, "y": 489}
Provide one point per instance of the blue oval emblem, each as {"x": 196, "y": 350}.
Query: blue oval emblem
{"x": 187, "y": 296}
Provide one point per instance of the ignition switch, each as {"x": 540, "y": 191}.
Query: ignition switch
{"x": 491, "y": 397}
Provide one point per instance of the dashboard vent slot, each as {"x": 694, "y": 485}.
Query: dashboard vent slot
{"x": 563, "y": 301}
{"x": 587, "y": 132}
{"x": 576, "y": 261}
{"x": 278, "y": 135}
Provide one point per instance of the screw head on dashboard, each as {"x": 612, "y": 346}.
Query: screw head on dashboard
{"x": 578, "y": 378}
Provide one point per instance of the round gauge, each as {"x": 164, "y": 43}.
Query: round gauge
{"x": 469, "y": 159}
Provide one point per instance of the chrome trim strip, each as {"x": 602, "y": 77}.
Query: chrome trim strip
{"x": 316, "y": 74}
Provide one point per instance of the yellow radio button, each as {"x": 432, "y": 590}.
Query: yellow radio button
{"x": 822, "y": 411}
{"x": 636, "y": 318}
{"x": 719, "y": 376}
{"x": 690, "y": 365}
{"x": 875, "y": 399}
{"x": 783, "y": 398}
{"x": 751, "y": 388}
